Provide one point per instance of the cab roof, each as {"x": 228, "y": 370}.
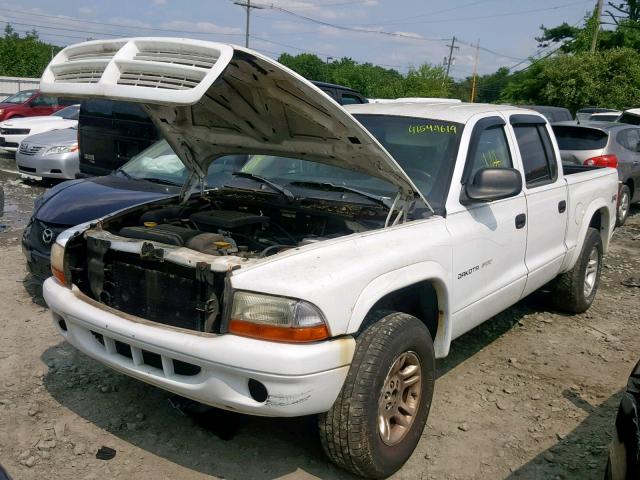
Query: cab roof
{"x": 452, "y": 112}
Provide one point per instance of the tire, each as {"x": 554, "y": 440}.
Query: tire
{"x": 350, "y": 432}
{"x": 622, "y": 212}
{"x": 570, "y": 291}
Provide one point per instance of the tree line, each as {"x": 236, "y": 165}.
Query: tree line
{"x": 24, "y": 56}
{"x": 568, "y": 75}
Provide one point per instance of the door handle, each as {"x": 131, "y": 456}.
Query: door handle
{"x": 521, "y": 220}
{"x": 562, "y": 206}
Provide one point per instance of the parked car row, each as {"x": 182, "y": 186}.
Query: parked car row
{"x": 607, "y": 144}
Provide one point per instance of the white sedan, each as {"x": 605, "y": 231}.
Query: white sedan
{"x": 13, "y": 131}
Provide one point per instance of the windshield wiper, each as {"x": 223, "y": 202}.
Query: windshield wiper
{"x": 342, "y": 188}
{"x": 130, "y": 177}
{"x": 159, "y": 181}
{"x": 278, "y": 188}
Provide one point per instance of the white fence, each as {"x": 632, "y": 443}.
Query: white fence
{"x": 11, "y": 85}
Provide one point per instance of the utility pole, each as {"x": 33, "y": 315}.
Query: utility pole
{"x": 248, "y": 6}
{"x": 475, "y": 72}
{"x": 451, "y": 47}
{"x": 598, "y": 12}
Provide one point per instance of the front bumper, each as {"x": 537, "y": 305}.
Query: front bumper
{"x": 64, "y": 165}
{"x": 299, "y": 379}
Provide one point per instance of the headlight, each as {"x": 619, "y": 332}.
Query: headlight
{"x": 276, "y": 318}
{"x": 62, "y": 149}
{"x": 57, "y": 264}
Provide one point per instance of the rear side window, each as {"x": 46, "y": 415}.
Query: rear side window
{"x": 579, "y": 138}
{"x": 97, "y": 108}
{"x": 629, "y": 118}
{"x": 43, "y": 101}
{"x": 65, "y": 102}
{"x": 348, "y": 99}
{"x": 129, "y": 111}
{"x": 629, "y": 139}
{"x": 540, "y": 166}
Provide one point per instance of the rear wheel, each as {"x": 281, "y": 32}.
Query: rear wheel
{"x": 378, "y": 418}
{"x": 574, "y": 291}
{"x": 624, "y": 204}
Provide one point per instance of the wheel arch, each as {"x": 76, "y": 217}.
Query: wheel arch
{"x": 597, "y": 215}
{"x": 632, "y": 187}
{"x": 420, "y": 290}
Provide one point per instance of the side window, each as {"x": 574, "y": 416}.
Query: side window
{"x": 329, "y": 92}
{"x": 492, "y": 151}
{"x": 629, "y": 139}
{"x": 349, "y": 99}
{"x": 43, "y": 101}
{"x": 65, "y": 102}
{"x": 540, "y": 166}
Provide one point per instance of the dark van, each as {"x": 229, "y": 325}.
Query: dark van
{"x": 341, "y": 94}
{"x": 111, "y": 132}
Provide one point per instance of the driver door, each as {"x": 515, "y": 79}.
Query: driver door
{"x": 489, "y": 238}
{"x": 42, "y": 105}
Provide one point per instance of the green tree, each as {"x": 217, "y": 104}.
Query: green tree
{"x": 607, "y": 78}
{"x": 628, "y": 10}
{"x": 25, "y": 56}
{"x": 427, "y": 81}
{"x": 371, "y": 80}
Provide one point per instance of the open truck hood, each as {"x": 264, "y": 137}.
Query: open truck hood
{"x": 210, "y": 99}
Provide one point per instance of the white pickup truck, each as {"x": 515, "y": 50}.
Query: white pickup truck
{"x": 332, "y": 270}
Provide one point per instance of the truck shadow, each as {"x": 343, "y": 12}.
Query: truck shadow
{"x": 583, "y": 452}
{"x": 215, "y": 442}
{"x": 484, "y": 334}
{"x": 212, "y": 442}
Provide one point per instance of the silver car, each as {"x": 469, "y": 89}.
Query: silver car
{"x": 51, "y": 154}
{"x": 605, "y": 144}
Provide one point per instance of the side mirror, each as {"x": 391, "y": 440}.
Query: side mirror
{"x": 491, "y": 184}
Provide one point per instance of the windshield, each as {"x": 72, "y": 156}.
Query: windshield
{"x": 579, "y": 138}
{"x": 285, "y": 170}
{"x": 68, "y": 113}
{"x": 19, "y": 97}
{"x": 160, "y": 163}
{"x": 425, "y": 149}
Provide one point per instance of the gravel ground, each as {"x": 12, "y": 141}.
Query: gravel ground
{"x": 530, "y": 394}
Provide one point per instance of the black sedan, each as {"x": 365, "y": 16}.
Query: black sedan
{"x": 153, "y": 174}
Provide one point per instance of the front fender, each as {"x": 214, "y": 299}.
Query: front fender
{"x": 403, "y": 277}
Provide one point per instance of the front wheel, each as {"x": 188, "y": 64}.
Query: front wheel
{"x": 380, "y": 413}
{"x": 574, "y": 291}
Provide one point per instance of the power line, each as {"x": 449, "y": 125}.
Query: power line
{"x": 248, "y": 6}
{"x": 351, "y": 29}
{"x": 137, "y": 27}
{"x": 415, "y": 37}
{"x": 497, "y": 15}
{"x": 430, "y": 13}
{"x": 51, "y": 26}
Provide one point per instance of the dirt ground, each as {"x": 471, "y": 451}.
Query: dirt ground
{"x": 530, "y": 394}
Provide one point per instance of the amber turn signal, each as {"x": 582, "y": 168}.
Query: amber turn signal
{"x": 59, "y": 275}
{"x": 279, "y": 334}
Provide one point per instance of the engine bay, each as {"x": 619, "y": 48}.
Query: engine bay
{"x": 243, "y": 224}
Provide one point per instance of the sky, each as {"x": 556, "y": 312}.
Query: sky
{"x": 396, "y": 34}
